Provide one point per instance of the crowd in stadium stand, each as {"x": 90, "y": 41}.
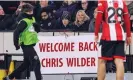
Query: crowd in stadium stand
{"x": 68, "y": 15}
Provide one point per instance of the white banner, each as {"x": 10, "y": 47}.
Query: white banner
{"x": 74, "y": 54}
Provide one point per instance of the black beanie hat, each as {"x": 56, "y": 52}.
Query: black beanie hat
{"x": 27, "y": 7}
{"x": 66, "y": 15}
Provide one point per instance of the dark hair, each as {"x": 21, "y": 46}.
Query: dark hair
{"x": 27, "y": 7}
{"x": 45, "y": 10}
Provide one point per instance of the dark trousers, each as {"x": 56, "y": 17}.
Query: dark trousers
{"x": 31, "y": 60}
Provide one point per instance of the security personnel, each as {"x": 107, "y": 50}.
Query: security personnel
{"x": 25, "y": 36}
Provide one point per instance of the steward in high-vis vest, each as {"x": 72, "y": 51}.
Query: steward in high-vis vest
{"x": 25, "y": 36}
{"x": 29, "y": 35}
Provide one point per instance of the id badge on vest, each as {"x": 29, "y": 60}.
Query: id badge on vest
{"x": 31, "y": 29}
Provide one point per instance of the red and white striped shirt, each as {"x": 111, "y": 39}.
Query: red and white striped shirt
{"x": 112, "y": 13}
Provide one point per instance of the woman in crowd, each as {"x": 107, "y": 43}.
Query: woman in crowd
{"x": 82, "y": 21}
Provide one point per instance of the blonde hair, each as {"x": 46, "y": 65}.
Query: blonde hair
{"x": 86, "y": 17}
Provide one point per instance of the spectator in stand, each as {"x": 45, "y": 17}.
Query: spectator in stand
{"x": 129, "y": 4}
{"x": 2, "y": 16}
{"x": 58, "y": 4}
{"x": 6, "y": 20}
{"x": 92, "y": 23}
{"x": 43, "y": 4}
{"x": 64, "y": 23}
{"x": 130, "y": 7}
{"x": 89, "y": 10}
{"x": 68, "y": 5}
{"x": 19, "y": 15}
{"x": 1, "y": 11}
{"x": 47, "y": 22}
{"x": 82, "y": 21}
{"x": 9, "y": 6}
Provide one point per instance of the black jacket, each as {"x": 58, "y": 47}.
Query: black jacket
{"x": 48, "y": 24}
{"x": 17, "y": 18}
{"x": 61, "y": 27}
{"x": 92, "y": 26}
{"x": 6, "y": 21}
{"x": 82, "y": 28}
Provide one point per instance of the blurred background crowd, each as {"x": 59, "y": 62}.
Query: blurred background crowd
{"x": 65, "y": 15}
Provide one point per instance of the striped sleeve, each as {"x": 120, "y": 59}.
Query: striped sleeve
{"x": 126, "y": 20}
{"x": 125, "y": 9}
{"x": 100, "y": 6}
{"x": 98, "y": 20}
